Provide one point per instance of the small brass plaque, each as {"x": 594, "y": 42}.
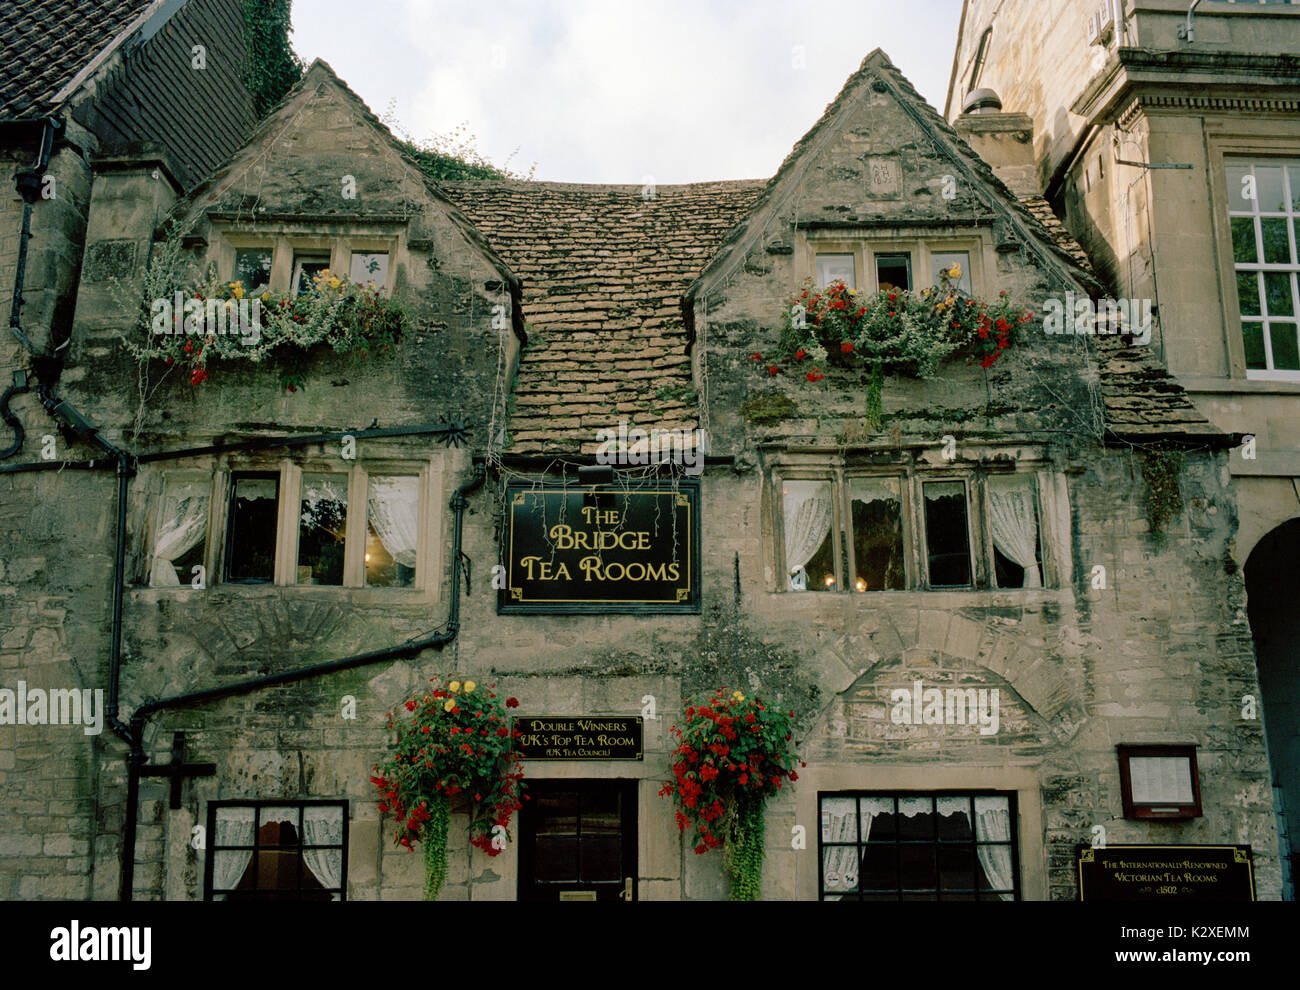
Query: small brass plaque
{"x": 577, "y": 895}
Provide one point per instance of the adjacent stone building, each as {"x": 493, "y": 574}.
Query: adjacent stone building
{"x": 1166, "y": 136}
{"x": 301, "y": 544}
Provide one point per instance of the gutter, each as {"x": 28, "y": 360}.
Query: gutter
{"x": 134, "y": 735}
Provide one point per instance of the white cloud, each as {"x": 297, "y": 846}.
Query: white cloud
{"x": 599, "y": 91}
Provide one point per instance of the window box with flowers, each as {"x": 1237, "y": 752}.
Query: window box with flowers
{"x": 895, "y": 330}
{"x": 195, "y": 327}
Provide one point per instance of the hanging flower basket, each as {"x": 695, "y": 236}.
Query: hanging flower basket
{"x": 458, "y": 741}
{"x": 903, "y": 332}
{"x": 733, "y": 754}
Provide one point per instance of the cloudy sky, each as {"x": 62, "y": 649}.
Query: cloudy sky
{"x": 610, "y": 91}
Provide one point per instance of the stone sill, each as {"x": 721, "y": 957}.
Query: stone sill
{"x": 355, "y": 596}
{"x": 1239, "y": 386}
{"x": 937, "y": 599}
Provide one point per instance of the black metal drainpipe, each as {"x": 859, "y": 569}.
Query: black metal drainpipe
{"x": 136, "y": 758}
{"x": 28, "y": 183}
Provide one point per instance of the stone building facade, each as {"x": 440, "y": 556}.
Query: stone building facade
{"x": 1166, "y": 138}
{"x": 542, "y": 313}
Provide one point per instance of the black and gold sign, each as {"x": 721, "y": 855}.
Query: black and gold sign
{"x": 1165, "y": 873}
{"x": 601, "y": 548}
{"x": 564, "y": 737}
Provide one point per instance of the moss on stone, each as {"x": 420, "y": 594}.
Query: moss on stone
{"x": 773, "y": 407}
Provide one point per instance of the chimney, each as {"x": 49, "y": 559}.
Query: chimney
{"x": 1004, "y": 140}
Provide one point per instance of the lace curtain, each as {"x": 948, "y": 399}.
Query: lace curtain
{"x": 234, "y": 827}
{"x": 1015, "y": 524}
{"x": 841, "y": 825}
{"x": 993, "y": 824}
{"x": 183, "y": 524}
{"x": 392, "y": 505}
{"x": 320, "y": 827}
{"x": 806, "y": 511}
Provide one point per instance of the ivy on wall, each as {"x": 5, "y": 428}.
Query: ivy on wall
{"x": 1164, "y": 498}
{"x": 270, "y": 66}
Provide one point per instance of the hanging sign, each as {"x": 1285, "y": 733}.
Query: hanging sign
{"x": 601, "y": 548}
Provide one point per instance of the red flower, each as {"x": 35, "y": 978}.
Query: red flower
{"x": 815, "y": 375}
{"x": 793, "y": 775}
{"x": 846, "y": 346}
{"x": 893, "y": 297}
{"x": 800, "y": 354}
{"x": 756, "y": 356}
{"x": 410, "y": 706}
{"x": 512, "y": 702}
{"x": 773, "y": 370}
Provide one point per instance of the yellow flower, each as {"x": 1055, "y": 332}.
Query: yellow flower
{"x": 453, "y": 687}
{"x": 925, "y": 292}
{"x": 737, "y": 695}
{"x": 334, "y": 282}
{"x": 955, "y": 270}
{"x": 469, "y": 686}
{"x": 449, "y": 704}
{"x": 266, "y": 297}
{"x": 939, "y": 307}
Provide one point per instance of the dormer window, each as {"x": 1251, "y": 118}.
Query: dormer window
{"x": 836, "y": 267}
{"x": 370, "y": 266}
{"x": 253, "y": 268}
{"x": 871, "y": 263}
{"x": 306, "y": 267}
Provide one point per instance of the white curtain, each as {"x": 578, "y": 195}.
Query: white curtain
{"x": 320, "y": 493}
{"x": 807, "y": 517}
{"x": 183, "y": 523}
{"x": 393, "y": 504}
{"x": 993, "y": 824}
{"x": 1015, "y": 524}
{"x": 842, "y": 826}
{"x": 234, "y": 827}
{"x": 323, "y": 827}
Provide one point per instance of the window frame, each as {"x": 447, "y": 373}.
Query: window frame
{"x": 227, "y": 545}
{"x": 911, "y": 478}
{"x": 288, "y": 474}
{"x": 1013, "y": 809}
{"x": 1291, "y": 216}
{"x": 865, "y": 244}
{"x": 212, "y": 847}
{"x": 287, "y": 242}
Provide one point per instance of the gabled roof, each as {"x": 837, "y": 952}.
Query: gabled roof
{"x": 319, "y": 74}
{"x": 1002, "y": 202}
{"x": 603, "y": 270}
{"x": 44, "y": 44}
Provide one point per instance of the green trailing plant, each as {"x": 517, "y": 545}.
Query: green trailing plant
{"x": 1161, "y": 470}
{"x": 270, "y": 66}
{"x": 219, "y": 320}
{"x": 896, "y": 331}
{"x": 732, "y": 755}
{"x": 458, "y": 741}
{"x": 743, "y": 854}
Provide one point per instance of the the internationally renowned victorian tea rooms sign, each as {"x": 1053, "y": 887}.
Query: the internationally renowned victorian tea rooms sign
{"x": 601, "y": 548}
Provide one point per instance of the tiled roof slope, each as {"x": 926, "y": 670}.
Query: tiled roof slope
{"x": 603, "y": 270}
{"x": 44, "y": 43}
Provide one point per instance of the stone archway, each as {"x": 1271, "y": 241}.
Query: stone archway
{"x": 1273, "y": 605}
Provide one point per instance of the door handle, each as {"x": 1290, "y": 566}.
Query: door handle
{"x": 626, "y": 892}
